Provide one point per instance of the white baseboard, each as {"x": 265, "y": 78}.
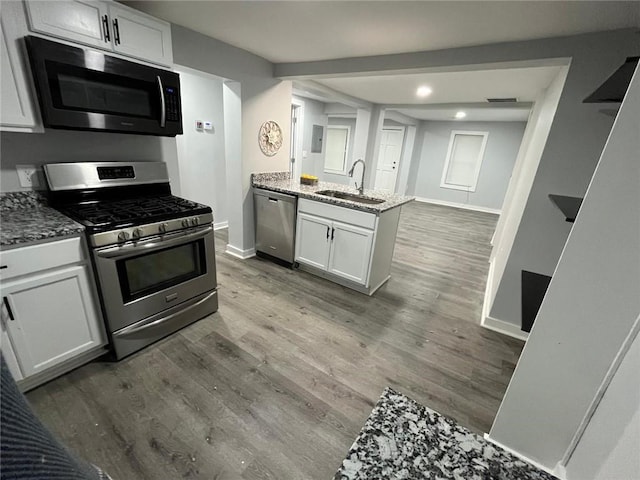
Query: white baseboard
{"x": 557, "y": 472}
{"x": 505, "y": 328}
{"x": 241, "y": 254}
{"x": 465, "y": 206}
{"x": 221, "y": 225}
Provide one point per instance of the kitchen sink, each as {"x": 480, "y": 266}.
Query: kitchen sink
{"x": 353, "y": 197}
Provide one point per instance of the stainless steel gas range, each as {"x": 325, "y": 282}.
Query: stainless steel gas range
{"x": 153, "y": 253}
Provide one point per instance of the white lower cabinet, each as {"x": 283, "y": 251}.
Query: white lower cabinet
{"x": 348, "y": 246}
{"x": 313, "y": 242}
{"x": 350, "y": 252}
{"x": 338, "y": 248}
{"x": 50, "y": 317}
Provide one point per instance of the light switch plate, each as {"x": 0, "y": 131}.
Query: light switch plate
{"x": 28, "y": 175}
{"x": 208, "y": 125}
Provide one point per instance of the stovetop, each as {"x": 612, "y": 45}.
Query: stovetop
{"x": 116, "y": 214}
{"x": 112, "y": 214}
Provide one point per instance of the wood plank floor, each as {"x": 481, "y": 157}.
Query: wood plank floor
{"x": 277, "y": 384}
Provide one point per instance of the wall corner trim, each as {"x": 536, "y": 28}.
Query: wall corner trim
{"x": 239, "y": 253}
{"x": 503, "y": 327}
{"x": 558, "y": 472}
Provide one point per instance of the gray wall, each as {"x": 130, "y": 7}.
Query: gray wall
{"x": 589, "y": 310}
{"x": 500, "y": 154}
{"x": 55, "y": 146}
{"x": 201, "y": 153}
{"x": 313, "y": 115}
{"x": 263, "y": 98}
{"x": 576, "y": 139}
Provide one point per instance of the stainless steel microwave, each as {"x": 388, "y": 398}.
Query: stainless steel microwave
{"x": 85, "y": 89}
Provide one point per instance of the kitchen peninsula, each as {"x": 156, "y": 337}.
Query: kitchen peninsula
{"x": 341, "y": 235}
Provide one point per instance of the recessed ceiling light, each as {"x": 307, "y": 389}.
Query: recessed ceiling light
{"x": 423, "y": 91}
{"x": 460, "y": 114}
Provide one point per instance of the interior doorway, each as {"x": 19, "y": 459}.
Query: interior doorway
{"x": 389, "y": 157}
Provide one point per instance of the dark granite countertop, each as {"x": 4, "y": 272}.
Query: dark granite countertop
{"x": 402, "y": 439}
{"x": 281, "y": 182}
{"x": 26, "y": 218}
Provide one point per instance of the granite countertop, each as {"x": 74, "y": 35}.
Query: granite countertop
{"x": 281, "y": 182}
{"x": 402, "y": 439}
{"x": 27, "y": 218}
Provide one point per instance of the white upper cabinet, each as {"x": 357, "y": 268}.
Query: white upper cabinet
{"x": 105, "y": 25}
{"x": 141, "y": 36}
{"x": 79, "y": 21}
{"x": 19, "y": 111}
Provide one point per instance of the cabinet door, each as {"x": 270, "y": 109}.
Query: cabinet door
{"x": 139, "y": 35}
{"x": 76, "y": 20}
{"x": 6, "y": 348}
{"x": 53, "y": 318}
{"x": 18, "y": 108}
{"x": 313, "y": 241}
{"x": 350, "y": 252}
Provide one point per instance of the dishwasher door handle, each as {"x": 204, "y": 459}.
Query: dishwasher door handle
{"x": 274, "y": 200}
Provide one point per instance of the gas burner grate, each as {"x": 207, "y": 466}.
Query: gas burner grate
{"x": 132, "y": 210}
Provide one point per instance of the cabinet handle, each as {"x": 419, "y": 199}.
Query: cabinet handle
{"x": 2, "y": 267}
{"x": 6, "y": 304}
{"x": 327, "y": 233}
{"x": 116, "y": 31}
{"x": 105, "y": 28}
{"x": 333, "y": 231}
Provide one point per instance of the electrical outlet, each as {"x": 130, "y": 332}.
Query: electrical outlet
{"x": 28, "y": 175}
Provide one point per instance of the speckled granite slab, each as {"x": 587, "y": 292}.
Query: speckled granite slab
{"x": 402, "y": 439}
{"x": 26, "y": 218}
{"x": 281, "y": 182}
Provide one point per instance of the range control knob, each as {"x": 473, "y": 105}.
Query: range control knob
{"x": 137, "y": 233}
{"x": 123, "y": 236}
{"x": 194, "y": 221}
{"x": 163, "y": 227}
{"x": 185, "y": 222}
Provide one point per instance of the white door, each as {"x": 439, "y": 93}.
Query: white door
{"x": 350, "y": 252}
{"x": 389, "y": 159}
{"x": 51, "y": 318}
{"x": 76, "y": 20}
{"x": 313, "y": 241}
{"x": 138, "y": 35}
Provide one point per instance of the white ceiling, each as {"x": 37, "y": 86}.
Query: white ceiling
{"x": 299, "y": 31}
{"x": 525, "y": 84}
{"x": 491, "y": 114}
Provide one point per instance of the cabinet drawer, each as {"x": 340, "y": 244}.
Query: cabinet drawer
{"x": 35, "y": 258}
{"x": 340, "y": 214}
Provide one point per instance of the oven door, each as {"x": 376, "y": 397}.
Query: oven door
{"x": 80, "y": 88}
{"x": 141, "y": 279}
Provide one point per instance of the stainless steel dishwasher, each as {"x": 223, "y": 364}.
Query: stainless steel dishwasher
{"x": 275, "y": 225}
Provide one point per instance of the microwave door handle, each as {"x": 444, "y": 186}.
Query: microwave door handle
{"x": 150, "y": 246}
{"x": 163, "y": 106}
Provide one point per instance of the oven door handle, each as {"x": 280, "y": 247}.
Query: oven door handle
{"x": 151, "y": 245}
{"x": 134, "y": 330}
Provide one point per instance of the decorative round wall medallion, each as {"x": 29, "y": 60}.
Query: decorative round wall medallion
{"x": 270, "y": 138}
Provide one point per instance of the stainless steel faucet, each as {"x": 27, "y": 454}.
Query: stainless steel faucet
{"x": 350, "y": 173}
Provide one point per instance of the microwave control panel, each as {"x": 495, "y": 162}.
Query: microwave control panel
{"x": 172, "y": 101}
